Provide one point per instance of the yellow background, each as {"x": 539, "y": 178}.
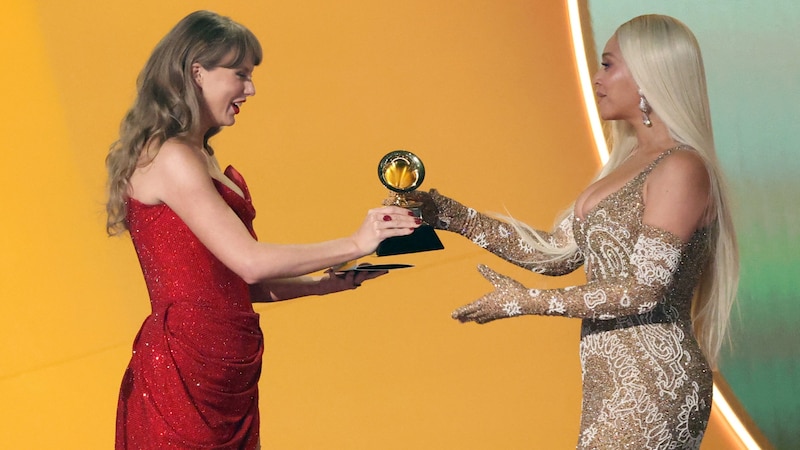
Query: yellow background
{"x": 484, "y": 92}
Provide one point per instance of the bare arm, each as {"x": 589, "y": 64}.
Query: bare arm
{"x": 178, "y": 176}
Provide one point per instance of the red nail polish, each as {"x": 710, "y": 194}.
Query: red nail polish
{"x": 411, "y": 213}
{"x": 417, "y": 221}
{"x": 387, "y": 218}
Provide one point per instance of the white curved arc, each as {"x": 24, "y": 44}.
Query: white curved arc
{"x": 733, "y": 420}
{"x": 585, "y": 79}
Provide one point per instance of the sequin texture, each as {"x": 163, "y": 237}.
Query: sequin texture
{"x": 646, "y": 383}
{"x": 192, "y": 381}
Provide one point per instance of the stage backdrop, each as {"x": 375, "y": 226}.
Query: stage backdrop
{"x": 485, "y": 92}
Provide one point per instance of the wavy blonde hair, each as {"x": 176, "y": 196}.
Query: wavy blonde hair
{"x": 167, "y": 104}
{"x": 664, "y": 58}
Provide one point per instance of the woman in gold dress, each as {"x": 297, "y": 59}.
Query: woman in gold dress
{"x": 655, "y": 237}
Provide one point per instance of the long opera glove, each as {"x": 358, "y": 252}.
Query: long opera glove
{"x": 637, "y": 290}
{"x": 504, "y": 240}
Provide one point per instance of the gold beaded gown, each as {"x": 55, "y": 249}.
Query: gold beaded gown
{"x": 646, "y": 383}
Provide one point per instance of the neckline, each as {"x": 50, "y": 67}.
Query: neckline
{"x": 232, "y": 174}
{"x": 221, "y": 184}
{"x": 221, "y": 187}
{"x": 625, "y": 185}
{"x": 217, "y": 183}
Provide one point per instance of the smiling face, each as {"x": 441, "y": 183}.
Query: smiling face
{"x": 617, "y": 92}
{"x": 223, "y": 90}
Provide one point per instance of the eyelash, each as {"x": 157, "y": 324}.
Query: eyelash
{"x": 605, "y": 65}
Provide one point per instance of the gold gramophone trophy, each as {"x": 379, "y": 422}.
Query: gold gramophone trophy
{"x": 402, "y": 172}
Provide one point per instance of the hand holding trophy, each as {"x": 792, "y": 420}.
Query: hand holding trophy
{"x": 402, "y": 172}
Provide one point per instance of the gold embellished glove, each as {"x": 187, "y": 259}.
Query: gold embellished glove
{"x": 428, "y": 208}
{"x": 638, "y": 289}
{"x": 503, "y": 239}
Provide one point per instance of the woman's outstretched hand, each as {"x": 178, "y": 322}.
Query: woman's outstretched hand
{"x": 497, "y": 304}
{"x": 382, "y": 223}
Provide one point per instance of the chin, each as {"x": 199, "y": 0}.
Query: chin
{"x": 607, "y": 116}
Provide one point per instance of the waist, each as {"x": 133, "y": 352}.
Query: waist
{"x": 204, "y": 311}
{"x": 210, "y": 333}
{"x": 659, "y": 315}
{"x": 234, "y": 297}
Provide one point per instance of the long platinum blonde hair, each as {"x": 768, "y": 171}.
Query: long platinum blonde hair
{"x": 664, "y": 59}
{"x": 167, "y": 104}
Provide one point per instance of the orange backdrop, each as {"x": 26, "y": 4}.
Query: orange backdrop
{"x": 484, "y": 92}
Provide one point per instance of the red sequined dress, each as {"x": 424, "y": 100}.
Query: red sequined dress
{"x": 192, "y": 381}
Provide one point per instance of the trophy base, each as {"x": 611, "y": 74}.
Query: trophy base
{"x": 423, "y": 239}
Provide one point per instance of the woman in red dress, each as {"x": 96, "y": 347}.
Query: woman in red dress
{"x": 192, "y": 381}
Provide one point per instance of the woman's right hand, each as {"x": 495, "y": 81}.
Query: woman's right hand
{"x": 382, "y": 223}
{"x": 428, "y": 208}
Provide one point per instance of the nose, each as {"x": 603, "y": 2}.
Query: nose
{"x": 596, "y": 78}
{"x": 249, "y": 88}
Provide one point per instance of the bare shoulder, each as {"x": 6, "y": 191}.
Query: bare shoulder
{"x": 175, "y": 166}
{"x": 677, "y": 194}
{"x": 681, "y": 168}
{"x": 177, "y": 160}
{"x": 175, "y": 154}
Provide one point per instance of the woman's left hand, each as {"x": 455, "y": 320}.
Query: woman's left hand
{"x": 498, "y": 304}
{"x": 333, "y": 282}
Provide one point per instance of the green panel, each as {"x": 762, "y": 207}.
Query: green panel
{"x": 752, "y": 56}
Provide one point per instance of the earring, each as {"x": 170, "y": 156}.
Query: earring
{"x": 644, "y": 107}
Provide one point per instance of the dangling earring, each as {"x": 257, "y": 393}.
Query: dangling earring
{"x": 644, "y": 107}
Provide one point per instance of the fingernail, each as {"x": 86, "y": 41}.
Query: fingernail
{"x": 387, "y": 218}
{"x": 411, "y": 213}
{"x": 417, "y": 221}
